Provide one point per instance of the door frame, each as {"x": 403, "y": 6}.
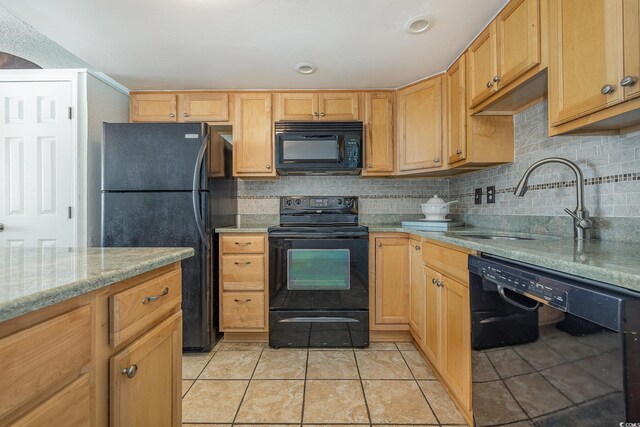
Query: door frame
{"x": 79, "y": 135}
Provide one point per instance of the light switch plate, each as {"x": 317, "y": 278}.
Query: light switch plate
{"x": 478, "y": 196}
{"x": 491, "y": 194}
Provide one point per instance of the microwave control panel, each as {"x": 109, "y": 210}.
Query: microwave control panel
{"x": 352, "y": 152}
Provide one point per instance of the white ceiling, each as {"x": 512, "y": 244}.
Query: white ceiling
{"x": 242, "y": 44}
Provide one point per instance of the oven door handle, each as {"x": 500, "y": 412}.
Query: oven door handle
{"x": 319, "y": 320}
{"x": 517, "y": 304}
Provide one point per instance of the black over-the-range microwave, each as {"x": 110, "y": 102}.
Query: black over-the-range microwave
{"x": 318, "y": 148}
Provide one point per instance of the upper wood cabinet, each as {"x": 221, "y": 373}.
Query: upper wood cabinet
{"x": 455, "y": 84}
{"x": 631, "y": 79}
{"x": 379, "y": 158}
{"x": 518, "y": 39}
{"x": 586, "y": 57}
{"x": 483, "y": 66}
{"x": 203, "y": 107}
{"x": 318, "y": 106}
{"x": 253, "y": 135}
{"x": 505, "y": 50}
{"x": 420, "y": 126}
{"x": 153, "y": 107}
{"x": 391, "y": 287}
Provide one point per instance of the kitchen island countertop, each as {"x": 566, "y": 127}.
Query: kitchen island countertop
{"x": 32, "y": 278}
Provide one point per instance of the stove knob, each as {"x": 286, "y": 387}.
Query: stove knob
{"x": 298, "y": 202}
{"x": 289, "y": 202}
{"x": 349, "y": 202}
{"x": 339, "y": 201}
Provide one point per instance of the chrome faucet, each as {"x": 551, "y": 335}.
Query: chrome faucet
{"x": 581, "y": 222}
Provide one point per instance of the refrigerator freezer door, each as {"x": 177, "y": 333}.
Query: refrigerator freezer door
{"x": 151, "y": 156}
{"x": 167, "y": 219}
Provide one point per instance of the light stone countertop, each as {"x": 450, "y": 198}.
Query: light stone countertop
{"x": 605, "y": 261}
{"x": 32, "y": 278}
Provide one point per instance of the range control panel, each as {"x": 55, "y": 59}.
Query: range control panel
{"x": 534, "y": 286}
{"x": 319, "y": 204}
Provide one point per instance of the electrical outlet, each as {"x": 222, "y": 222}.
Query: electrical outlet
{"x": 491, "y": 194}
{"x": 478, "y": 196}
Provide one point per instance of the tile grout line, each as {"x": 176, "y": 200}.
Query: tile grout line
{"x": 247, "y": 388}
{"x": 364, "y": 395}
{"x": 304, "y": 388}
{"x": 418, "y": 384}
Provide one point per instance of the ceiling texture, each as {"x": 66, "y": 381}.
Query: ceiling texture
{"x": 255, "y": 44}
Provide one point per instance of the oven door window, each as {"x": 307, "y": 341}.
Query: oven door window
{"x": 318, "y": 269}
{"x": 320, "y": 149}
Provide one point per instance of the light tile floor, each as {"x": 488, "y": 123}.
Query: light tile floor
{"x": 249, "y": 384}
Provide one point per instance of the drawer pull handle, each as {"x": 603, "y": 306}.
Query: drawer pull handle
{"x": 242, "y": 263}
{"x": 131, "y": 371}
{"x": 242, "y": 300}
{"x": 243, "y": 243}
{"x": 147, "y": 300}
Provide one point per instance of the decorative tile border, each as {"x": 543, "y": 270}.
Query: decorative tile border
{"x": 624, "y": 177}
{"x": 391, "y": 196}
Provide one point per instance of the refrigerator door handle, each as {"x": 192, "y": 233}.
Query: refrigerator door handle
{"x": 196, "y": 186}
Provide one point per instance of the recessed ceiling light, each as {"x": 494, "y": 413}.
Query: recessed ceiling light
{"x": 306, "y": 68}
{"x": 417, "y": 25}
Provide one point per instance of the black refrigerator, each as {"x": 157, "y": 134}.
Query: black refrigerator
{"x": 158, "y": 190}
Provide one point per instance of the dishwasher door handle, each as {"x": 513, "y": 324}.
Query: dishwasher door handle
{"x": 513, "y": 302}
{"x": 319, "y": 320}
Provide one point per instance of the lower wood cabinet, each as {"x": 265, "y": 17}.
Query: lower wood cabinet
{"x": 432, "y": 339}
{"x": 389, "y": 301}
{"x": 244, "y": 301}
{"x": 416, "y": 290}
{"x": 145, "y": 378}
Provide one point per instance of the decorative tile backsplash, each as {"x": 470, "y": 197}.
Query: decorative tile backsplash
{"x": 611, "y": 167}
{"x": 377, "y": 196}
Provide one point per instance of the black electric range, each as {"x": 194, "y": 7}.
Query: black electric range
{"x": 318, "y": 274}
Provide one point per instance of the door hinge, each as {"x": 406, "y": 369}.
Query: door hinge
{"x": 70, "y": 113}
{"x": 69, "y": 211}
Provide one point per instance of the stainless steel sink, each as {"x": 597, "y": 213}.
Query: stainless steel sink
{"x": 495, "y": 237}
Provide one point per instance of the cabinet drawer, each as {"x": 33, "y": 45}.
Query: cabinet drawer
{"x": 238, "y": 244}
{"x": 136, "y": 308}
{"x": 243, "y": 310}
{"x": 243, "y": 272}
{"x": 35, "y": 359}
{"x": 448, "y": 261}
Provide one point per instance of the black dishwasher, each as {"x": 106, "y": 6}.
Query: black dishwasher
{"x": 580, "y": 368}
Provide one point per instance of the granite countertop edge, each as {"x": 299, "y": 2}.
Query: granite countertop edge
{"x": 45, "y": 298}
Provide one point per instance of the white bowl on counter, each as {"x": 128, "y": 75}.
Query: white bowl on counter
{"x": 436, "y": 209}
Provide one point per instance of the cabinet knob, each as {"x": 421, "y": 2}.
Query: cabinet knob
{"x": 242, "y": 300}
{"x": 171, "y": 115}
{"x": 436, "y": 160}
{"x": 315, "y": 114}
{"x": 369, "y": 165}
{"x": 497, "y": 78}
{"x": 268, "y": 166}
{"x": 242, "y": 263}
{"x": 322, "y": 114}
{"x": 628, "y": 81}
{"x": 489, "y": 84}
{"x": 417, "y": 248}
{"x": 607, "y": 89}
{"x": 186, "y": 114}
{"x": 131, "y": 371}
{"x": 379, "y": 244}
{"x": 458, "y": 151}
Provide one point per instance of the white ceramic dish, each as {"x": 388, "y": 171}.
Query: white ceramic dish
{"x": 436, "y": 209}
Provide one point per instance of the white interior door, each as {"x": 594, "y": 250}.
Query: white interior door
{"x": 36, "y": 169}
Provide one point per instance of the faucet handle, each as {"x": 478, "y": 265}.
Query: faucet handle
{"x": 580, "y": 222}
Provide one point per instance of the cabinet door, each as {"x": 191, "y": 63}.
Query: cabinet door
{"x": 631, "y": 48}
{"x": 432, "y": 335}
{"x": 150, "y": 393}
{"x": 297, "y": 106}
{"x": 518, "y": 27}
{"x": 456, "y": 111}
{"x": 420, "y": 126}
{"x": 204, "y": 107}
{"x": 585, "y": 55}
{"x": 482, "y": 66}
{"x": 456, "y": 339}
{"x": 243, "y": 311}
{"x": 338, "y": 106}
{"x": 253, "y": 136}
{"x": 416, "y": 290}
{"x": 378, "y": 151}
{"x": 392, "y": 281}
{"x": 153, "y": 107}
